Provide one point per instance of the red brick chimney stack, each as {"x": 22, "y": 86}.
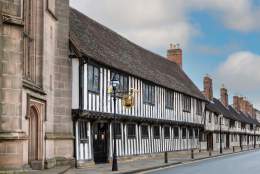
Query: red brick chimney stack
{"x": 224, "y": 96}
{"x": 208, "y": 87}
{"x": 175, "y": 54}
{"x": 242, "y": 104}
{"x": 236, "y": 103}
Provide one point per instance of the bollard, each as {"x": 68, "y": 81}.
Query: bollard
{"x": 165, "y": 157}
{"x": 233, "y": 149}
{"x": 192, "y": 154}
{"x": 210, "y": 153}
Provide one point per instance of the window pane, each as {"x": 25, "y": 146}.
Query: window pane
{"x": 183, "y": 133}
{"x": 131, "y": 131}
{"x": 190, "y": 133}
{"x": 166, "y": 132}
{"x": 121, "y": 81}
{"x": 156, "y": 132}
{"x": 125, "y": 83}
{"x": 90, "y": 77}
{"x": 145, "y": 131}
{"x": 176, "y": 132}
{"x": 96, "y": 80}
{"x": 117, "y": 130}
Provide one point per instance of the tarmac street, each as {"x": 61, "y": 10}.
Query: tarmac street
{"x": 243, "y": 163}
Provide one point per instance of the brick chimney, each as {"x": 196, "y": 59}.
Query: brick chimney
{"x": 247, "y": 106}
{"x": 224, "y": 96}
{"x": 208, "y": 87}
{"x": 242, "y": 104}
{"x": 236, "y": 103}
{"x": 175, "y": 54}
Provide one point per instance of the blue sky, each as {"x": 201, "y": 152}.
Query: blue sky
{"x": 218, "y": 37}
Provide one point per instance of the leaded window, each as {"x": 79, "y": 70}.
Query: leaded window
{"x": 93, "y": 78}
{"x": 186, "y": 103}
{"x": 199, "y": 107}
{"x": 156, "y": 132}
{"x": 83, "y": 130}
{"x": 118, "y": 131}
{"x": 190, "y": 133}
{"x": 169, "y": 99}
{"x": 123, "y": 81}
{"x": 184, "y": 133}
{"x": 176, "y": 132}
{"x": 166, "y": 132}
{"x": 144, "y": 131}
{"x": 148, "y": 93}
{"x": 131, "y": 132}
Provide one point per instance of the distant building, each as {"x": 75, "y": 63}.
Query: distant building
{"x": 229, "y": 125}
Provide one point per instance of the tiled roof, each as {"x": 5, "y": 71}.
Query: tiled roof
{"x": 109, "y": 48}
{"x": 229, "y": 112}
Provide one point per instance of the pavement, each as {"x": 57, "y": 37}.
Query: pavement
{"x": 142, "y": 165}
{"x": 243, "y": 163}
{"x": 139, "y": 166}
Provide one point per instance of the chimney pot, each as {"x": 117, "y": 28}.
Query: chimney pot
{"x": 175, "y": 54}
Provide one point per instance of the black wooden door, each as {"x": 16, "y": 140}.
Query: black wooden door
{"x": 100, "y": 134}
{"x": 227, "y": 140}
{"x": 209, "y": 141}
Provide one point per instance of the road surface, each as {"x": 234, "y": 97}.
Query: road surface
{"x": 243, "y": 163}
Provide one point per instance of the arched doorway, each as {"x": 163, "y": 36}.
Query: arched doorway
{"x": 33, "y": 134}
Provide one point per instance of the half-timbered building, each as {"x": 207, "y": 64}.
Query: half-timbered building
{"x": 229, "y": 126}
{"x": 168, "y": 108}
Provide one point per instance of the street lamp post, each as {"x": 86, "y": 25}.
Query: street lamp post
{"x": 114, "y": 82}
{"x": 254, "y": 136}
{"x": 220, "y": 135}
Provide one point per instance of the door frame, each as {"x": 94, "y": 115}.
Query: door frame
{"x": 39, "y": 107}
{"x": 210, "y": 141}
{"x": 107, "y": 138}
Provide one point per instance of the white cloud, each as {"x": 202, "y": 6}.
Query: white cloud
{"x": 239, "y": 15}
{"x": 151, "y": 23}
{"x": 240, "y": 72}
{"x": 155, "y": 24}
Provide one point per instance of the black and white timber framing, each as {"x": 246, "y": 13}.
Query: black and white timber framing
{"x": 169, "y": 114}
{"x": 97, "y": 107}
